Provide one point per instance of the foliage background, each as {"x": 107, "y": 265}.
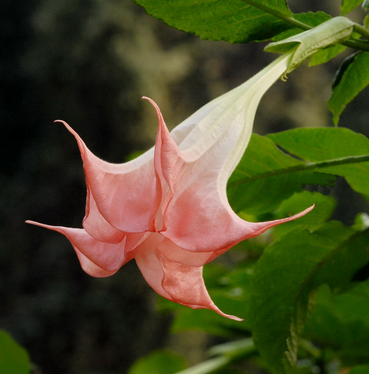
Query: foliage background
{"x": 89, "y": 62}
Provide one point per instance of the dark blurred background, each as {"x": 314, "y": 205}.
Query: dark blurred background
{"x": 88, "y": 62}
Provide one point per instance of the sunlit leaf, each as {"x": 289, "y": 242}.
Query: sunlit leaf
{"x": 321, "y": 144}
{"x": 233, "y": 20}
{"x": 354, "y": 78}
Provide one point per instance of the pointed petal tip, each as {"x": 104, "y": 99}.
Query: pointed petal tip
{"x": 235, "y": 318}
{"x": 307, "y": 210}
{"x": 30, "y": 222}
{"x": 45, "y": 226}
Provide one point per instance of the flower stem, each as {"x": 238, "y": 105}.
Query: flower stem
{"x": 356, "y": 44}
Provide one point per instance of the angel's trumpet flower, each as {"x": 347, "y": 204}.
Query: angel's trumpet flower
{"x": 168, "y": 208}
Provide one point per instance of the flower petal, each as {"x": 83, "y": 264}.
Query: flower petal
{"x": 106, "y": 256}
{"x": 149, "y": 265}
{"x": 131, "y": 186}
{"x": 174, "y": 253}
{"x": 197, "y": 216}
{"x": 97, "y": 226}
{"x": 91, "y": 268}
{"x": 186, "y": 286}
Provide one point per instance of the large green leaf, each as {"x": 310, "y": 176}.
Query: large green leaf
{"x": 285, "y": 277}
{"x": 266, "y": 176}
{"x": 322, "y": 144}
{"x": 354, "y": 77}
{"x": 13, "y": 358}
{"x": 231, "y": 20}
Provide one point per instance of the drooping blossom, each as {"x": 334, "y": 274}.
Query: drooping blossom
{"x": 168, "y": 208}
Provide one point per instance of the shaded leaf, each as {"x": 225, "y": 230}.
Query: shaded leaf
{"x": 360, "y": 369}
{"x": 342, "y": 322}
{"x": 321, "y": 144}
{"x": 354, "y": 79}
{"x": 281, "y": 290}
{"x": 13, "y": 358}
{"x": 158, "y": 362}
{"x": 266, "y": 176}
{"x": 324, "y": 207}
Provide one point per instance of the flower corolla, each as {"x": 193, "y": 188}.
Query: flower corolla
{"x": 168, "y": 208}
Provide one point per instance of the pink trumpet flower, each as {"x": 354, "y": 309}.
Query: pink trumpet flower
{"x": 168, "y": 208}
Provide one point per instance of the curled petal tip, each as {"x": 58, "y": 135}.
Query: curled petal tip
{"x": 153, "y": 103}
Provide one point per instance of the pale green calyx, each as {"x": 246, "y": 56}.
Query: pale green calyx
{"x": 366, "y": 5}
{"x": 331, "y": 32}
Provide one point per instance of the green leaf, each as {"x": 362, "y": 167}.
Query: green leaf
{"x": 342, "y": 321}
{"x": 280, "y": 295}
{"x": 312, "y": 19}
{"x": 13, "y": 358}
{"x": 309, "y": 18}
{"x": 326, "y": 54}
{"x": 266, "y": 176}
{"x": 340, "y": 268}
{"x": 360, "y": 369}
{"x": 283, "y": 287}
{"x": 158, "y": 362}
{"x": 355, "y": 77}
{"x": 234, "y": 21}
{"x": 324, "y": 208}
{"x": 321, "y": 144}
{"x": 366, "y": 20}
{"x": 349, "y": 5}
